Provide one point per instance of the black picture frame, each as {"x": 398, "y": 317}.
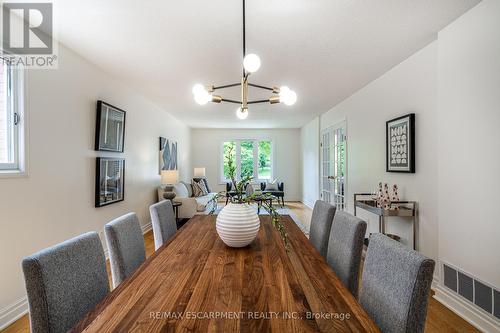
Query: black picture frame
{"x": 112, "y": 138}
{"x": 400, "y": 144}
{"x": 116, "y": 193}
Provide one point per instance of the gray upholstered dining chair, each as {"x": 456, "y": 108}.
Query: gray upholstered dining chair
{"x": 64, "y": 282}
{"x": 321, "y": 223}
{"x": 125, "y": 245}
{"x": 163, "y": 221}
{"x": 344, "y": 248}
{"x": 395, "y": 285}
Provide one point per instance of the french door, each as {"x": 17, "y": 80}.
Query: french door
{"x": 333, "y": 165}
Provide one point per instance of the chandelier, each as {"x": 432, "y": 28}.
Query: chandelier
{"x": 251, "y": 63}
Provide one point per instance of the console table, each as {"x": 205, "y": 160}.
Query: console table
{"x": 406, "y": 209}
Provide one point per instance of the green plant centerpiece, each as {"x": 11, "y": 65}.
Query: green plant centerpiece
{"x": 238, "y": 223}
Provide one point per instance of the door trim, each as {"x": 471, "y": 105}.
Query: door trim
{"x": 332, "y": 128}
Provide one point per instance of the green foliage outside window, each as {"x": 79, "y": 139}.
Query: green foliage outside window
{"x": 246, "y": 158}
{"x": 247, "y": 150}
{"x": 264, "y": 169}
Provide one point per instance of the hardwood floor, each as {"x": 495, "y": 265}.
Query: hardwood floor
{"x": 439, "y": 318}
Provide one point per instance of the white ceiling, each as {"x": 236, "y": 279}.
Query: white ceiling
{"x": 323, "y": 49}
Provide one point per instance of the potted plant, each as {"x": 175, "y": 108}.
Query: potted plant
{"x": 238, "y": 222}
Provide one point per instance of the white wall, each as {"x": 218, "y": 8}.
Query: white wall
{"x": 309, "y": 137}
{"x": 206, "y": 146}
{"x": 56, "y": 201}
{"x": 453, "y": 87}
{"x": 408, "y": 87}
{"x": 469, "y": 137}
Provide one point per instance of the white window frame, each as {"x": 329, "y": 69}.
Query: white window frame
{"x": 16, "y": 92}
{"x": 255, "y": 179}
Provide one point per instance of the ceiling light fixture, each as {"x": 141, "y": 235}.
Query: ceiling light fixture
{"x": 251, "y": 63}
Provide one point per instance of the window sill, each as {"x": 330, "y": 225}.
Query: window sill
{"x": 13, "y": 174}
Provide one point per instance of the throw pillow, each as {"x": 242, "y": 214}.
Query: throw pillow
{"x": 189, "y": 188}
{"x": 204, "y": 180}
{"x": 203, "y": 187}
{"x": 199, "y": 189}
{"x": 249, "y": 189}
{"x": 181, "y": 190}
{"x": 272, "y": 186}
{"x": 206, "y": 184}
{"x": 197, "y": 192}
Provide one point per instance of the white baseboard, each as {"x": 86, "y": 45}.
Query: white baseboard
{"x": 13, "y": 312}
{"x": 19, "y": 308}
{"x": 475, "y": 316}
{"x": 146, "y": 227}
{"x": 307, "y": 203}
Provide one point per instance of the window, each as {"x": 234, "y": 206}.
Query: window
{"x": 11, "y": 120}
{"x": 250, "y": 157}
{"x": 264, "y": 167}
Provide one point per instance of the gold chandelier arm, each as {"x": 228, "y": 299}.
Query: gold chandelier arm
{"x": 226, "y": 86}
{"x": 262, "y": 87}
{"x": 230, "y": 101}
{"x": 259, "y": 101}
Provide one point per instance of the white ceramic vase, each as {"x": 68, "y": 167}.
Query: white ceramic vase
{"x": 237, "y": 224}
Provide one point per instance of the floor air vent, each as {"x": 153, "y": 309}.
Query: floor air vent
{"x": 473, "y": 290}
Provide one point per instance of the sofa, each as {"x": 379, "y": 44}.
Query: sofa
{"x": 191, "y": 205}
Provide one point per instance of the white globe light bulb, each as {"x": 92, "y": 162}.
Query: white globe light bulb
{"x": 284, "y": 92}
{"x": 198, "y": 89}
{"x": 287, "y": 96}
{"x": 291, "y": 98}
{"x": 251, "y": 63}
{"x": 202, "y": 98}
{"x": 242, "y": 113}
{"x": 284, "y": 89}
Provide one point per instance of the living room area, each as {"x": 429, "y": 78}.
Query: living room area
{"x": 300, "y": 160}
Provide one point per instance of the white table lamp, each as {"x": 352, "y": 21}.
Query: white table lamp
{"x": 199, "y": 172}
{"x": 169, "y": 178}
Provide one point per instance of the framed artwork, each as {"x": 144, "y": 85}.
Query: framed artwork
{"x": 400, "y": 144}
{"x": 110, "y": 128}
{"x": 168, "y": 155}
{"x": 109, "y": 181}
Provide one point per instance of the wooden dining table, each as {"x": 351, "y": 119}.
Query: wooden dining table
{"x": 196, "y": 283}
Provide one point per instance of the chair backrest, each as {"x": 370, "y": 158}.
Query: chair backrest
{"x": 395, "y": 285}
{"x": 64, "y": 282}
{"x": 321, "y": 223}
{"x": 163, "y": 221}
{"x": 125, "y": 246}
{"x": 345, "y": 247}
